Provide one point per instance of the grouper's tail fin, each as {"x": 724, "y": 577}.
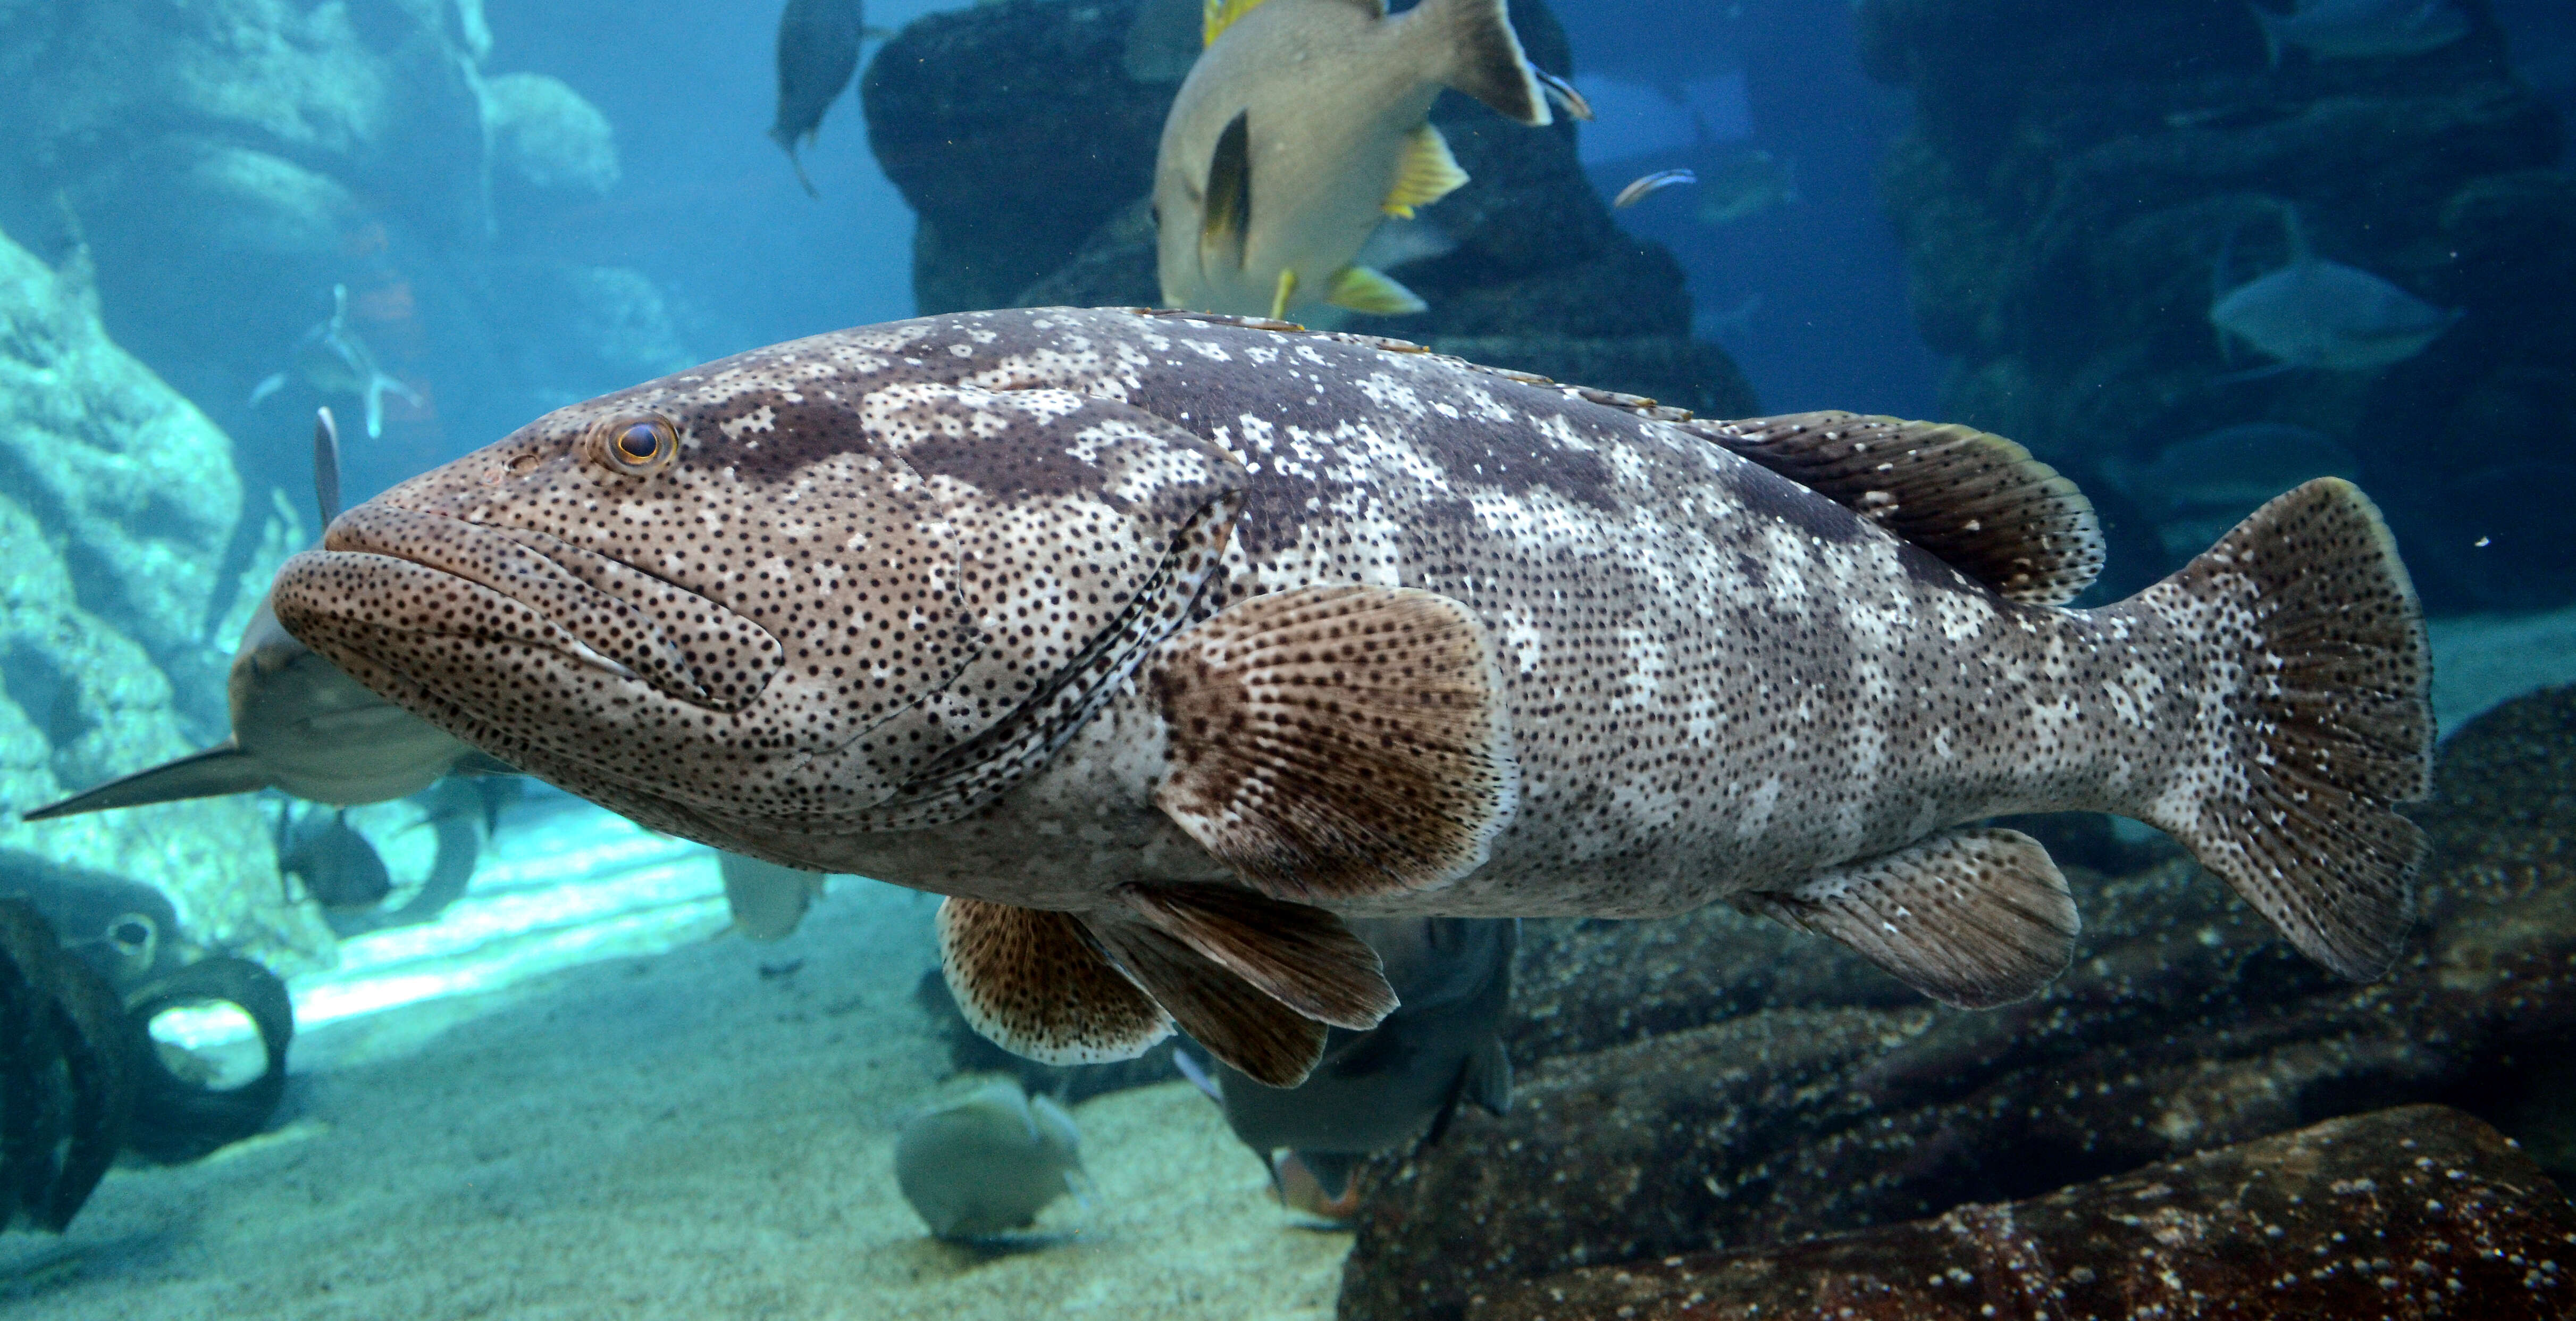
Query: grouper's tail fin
{"x": 2307, "y": 621}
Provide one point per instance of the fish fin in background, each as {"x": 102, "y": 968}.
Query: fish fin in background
{"x": 1424, "y": 174}
{"x": 1300, "y": 956}
{"x": 1471, "y": 47}
{"x": 1227, "y": 220}
{"x": 1401, "y": 780}
{"x": 1222, "y": 14}
{"x": 1198, "y": 1075}
{"x": 268, "y": 385}
{"x": 1035, "y": 984}
{"x": 326, "y": 465}
{"x": 1235, "y": 1021}
{"x": 1286, "y": 290}
{"x": 1563, "y": 94}
{"x": 1978, "y": 502}
{"x": 2328, "y": 727}
{"x": 1973, "y": 918}
{"x": 767, "y": 900}
{"x": 1363, "y": 290}
{"x": 1317, "y": 1183}
{"x": 1489, "y": 1078}
{"x": 222, "y": 769}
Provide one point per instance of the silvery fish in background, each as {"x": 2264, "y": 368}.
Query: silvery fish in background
{"x": 1159, "y": 643}
{"x": 335, "y": 360}
{"x": 298, "y": 723}
{"x": 1305, "y": 123}
{"x": 818, "y": 51}
{"x": 987, "y": 1164}
{"x": 2317, "y": 313}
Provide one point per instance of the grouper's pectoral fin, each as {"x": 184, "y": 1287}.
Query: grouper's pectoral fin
{"x": 1337, "y": 741}
{"x": 1036, "y": 984}
{"x": 1237, "y": 1022}
{"x": 1973, "y": 918}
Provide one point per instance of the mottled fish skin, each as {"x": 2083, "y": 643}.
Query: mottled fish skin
{"x": 1716, "y": 678}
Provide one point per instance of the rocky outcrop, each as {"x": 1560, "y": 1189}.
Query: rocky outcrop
{"x": 119, "y": 501}
{"x": 1018, "y": 134}
{"x": 1822, "y": 1098}
{"x": 2082, "y": 180}
{"x": 2419, "y": 1211}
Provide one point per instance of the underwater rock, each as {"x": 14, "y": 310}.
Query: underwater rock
{"x": 2083, "y": 183}
{"x": 1019, "y": 209}
{"x": 179, "y": 1118}
{"x": 546, "y": 135}
{"x": 1813, "y": 1100}
{"x": 2420, "y": 1210}
{"x": 121, "y": 503}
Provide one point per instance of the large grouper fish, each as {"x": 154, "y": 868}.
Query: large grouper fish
{"x": 1159, "y": 642}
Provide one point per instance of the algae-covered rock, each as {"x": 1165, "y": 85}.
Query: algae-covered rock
{"x": 1777, "y": 1089}
{"x": 2416, "y": 1211}
{"x": 120, "y": 502}
{"x": 544, "y": 133}
{"x": 1025, "y": 209}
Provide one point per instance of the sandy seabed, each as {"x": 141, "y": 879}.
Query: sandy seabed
{"x": 673, "y": 1136}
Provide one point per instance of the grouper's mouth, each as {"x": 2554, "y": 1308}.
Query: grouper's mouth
{"x": 387, "y": 578}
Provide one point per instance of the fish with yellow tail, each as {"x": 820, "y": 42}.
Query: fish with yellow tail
{"x": 1302, "y": 125}
{"x": 1161, "y": 643}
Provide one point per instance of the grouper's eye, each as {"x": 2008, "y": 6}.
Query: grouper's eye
{"x": 636, "y": 445}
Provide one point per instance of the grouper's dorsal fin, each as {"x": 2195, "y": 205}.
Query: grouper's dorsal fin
{"x": 1978, "y": 502}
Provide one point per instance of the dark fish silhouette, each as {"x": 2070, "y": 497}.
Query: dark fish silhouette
{"x": 818, "y": 50}
{"x": 339, "y": 868}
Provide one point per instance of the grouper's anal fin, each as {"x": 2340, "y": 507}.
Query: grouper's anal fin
{"x": 1973, "y": 918}
{"x": 222, "y": 769}
{"x": 1977, "y": 502}
{"x": 1337, "y": 741}
{"x": 1236, "y": 1021}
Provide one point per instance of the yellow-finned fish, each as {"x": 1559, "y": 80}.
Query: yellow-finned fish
{"x": 1306, "y": 125}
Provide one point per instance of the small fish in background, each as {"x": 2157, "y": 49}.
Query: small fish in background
{"x": 818, "y": 51}
{"x": 2316, "y": 313}
{"x": 334, "y": 360}
{"x": 1647, "y": 185}
{"x": 1400, "y": 1081}
{"x": 768, "y": 901}
{"x": 299, "y": 723}
{"x": 1305, "y": 123}
{"x": 1746, "y": 181}
{"x": 988, "y": 1164}
{"x": 2362, "y": 29}
{"x": 2213, "y": 481}
{"x": 338, "y": 866}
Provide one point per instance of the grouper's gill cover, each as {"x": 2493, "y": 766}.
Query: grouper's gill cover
{"x": 817, "y": 607}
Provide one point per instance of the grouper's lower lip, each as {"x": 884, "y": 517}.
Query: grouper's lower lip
{"x": 387, "y": 574}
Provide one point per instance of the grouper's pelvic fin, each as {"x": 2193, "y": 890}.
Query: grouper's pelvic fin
{"x": 1973, "y": 918}
{"x": 1471, "y": 47}
{"x": 1036, "y": 984}
{"x": 2306, "y": 620}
